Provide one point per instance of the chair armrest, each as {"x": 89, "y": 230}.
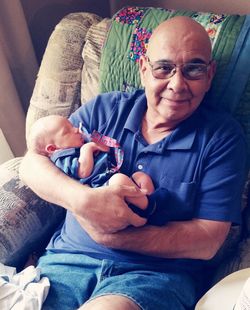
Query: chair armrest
{"x": 58, "y": 85}
{"x": 26, "y": 221}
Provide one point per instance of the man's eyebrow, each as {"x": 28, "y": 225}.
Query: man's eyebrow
{"x": 197, "y": 60}
{"x": 192, "y": 60}
{"x": 164, "y": 61}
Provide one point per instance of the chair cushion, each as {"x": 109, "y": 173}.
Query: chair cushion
{"x": 91, "y": 55}
{"x": 26, "y": 221}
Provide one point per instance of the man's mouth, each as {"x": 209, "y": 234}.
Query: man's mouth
{"x": 176, "y": 100}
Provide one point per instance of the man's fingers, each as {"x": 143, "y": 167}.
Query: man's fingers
{"x": 135, "y": 220}
{"x": 131, "y": 191}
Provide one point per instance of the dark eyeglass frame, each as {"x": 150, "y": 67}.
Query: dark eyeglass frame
{"x": 203, "y": 72}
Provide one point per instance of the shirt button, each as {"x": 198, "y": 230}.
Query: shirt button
{"x": 140, "y": 167}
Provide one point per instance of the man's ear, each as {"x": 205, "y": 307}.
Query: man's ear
{"x": 50, "y": 148}
{"x": 142, "y": 69}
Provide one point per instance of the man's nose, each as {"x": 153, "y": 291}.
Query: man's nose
{"x": 177, "y": 82}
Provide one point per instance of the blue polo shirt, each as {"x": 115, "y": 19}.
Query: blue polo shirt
{"x": 202, "y": 164}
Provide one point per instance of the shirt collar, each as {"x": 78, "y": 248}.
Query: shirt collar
{"x": 183, "y": 136}
{"x": 133, "y": 122}
{"x": 180, "y": 139}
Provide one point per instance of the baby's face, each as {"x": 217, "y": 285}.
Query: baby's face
{"x": 69, "y": 136}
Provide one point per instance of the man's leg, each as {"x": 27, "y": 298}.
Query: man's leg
{"x": 127, "y": 286}
{"x": 108, "y": 302}
{"x": 72, "y": 278}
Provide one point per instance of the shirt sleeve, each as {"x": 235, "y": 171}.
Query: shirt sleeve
{"x": 222, "y": 182}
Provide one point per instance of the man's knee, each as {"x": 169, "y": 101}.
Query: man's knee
{"x": 108, "y": 302}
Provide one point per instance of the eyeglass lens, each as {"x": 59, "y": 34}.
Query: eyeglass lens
{"x": 191, "y": 71}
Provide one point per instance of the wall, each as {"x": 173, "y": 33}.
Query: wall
{"x": 43, "y": 15}
{"x": 6, "y": 152}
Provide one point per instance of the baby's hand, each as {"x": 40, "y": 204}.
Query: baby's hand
{"x": 94, "y": 147}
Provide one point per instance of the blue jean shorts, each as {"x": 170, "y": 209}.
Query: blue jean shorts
{"x": 77, "y": 278}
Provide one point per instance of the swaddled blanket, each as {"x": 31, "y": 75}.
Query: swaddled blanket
{"x": 24, "y": 290}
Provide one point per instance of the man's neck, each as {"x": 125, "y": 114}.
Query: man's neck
{"x": 154, "y": 131}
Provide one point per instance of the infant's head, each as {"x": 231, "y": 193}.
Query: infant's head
{"x": 51, "y": 133}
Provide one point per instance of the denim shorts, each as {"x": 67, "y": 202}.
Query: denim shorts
{"x": 77, "y": 278}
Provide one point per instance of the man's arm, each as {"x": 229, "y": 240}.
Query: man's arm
{"x": 91, "y": 206}
{"x": 197, "y": 239}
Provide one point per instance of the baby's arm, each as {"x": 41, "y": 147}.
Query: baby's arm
{"x": 86, "y": 159}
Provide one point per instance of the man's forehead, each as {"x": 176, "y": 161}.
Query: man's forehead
{"x": 180, "y": 34}
{"x": 171, "y": 47}
{"x": 180, "y": 53}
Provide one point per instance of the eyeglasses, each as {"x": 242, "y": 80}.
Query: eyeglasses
{"x": 190, "y": 71}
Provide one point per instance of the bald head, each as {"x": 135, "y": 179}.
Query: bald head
{"x": 180, "y": 31}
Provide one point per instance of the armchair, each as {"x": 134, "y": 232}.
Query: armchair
{"x": 75, "y": 67}
{"x": 26, "y": 221}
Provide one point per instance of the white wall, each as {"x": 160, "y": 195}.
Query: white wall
{"x": 5, "y": 153}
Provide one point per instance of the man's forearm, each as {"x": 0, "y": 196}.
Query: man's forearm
{"x": 197, "y": 239}
{"x": 46, "y": 180}
{"x": 91, "y": 206}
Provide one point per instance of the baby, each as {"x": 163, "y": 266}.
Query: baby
{"x": 92, "y": 159}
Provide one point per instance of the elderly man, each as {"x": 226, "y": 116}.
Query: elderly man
{"x": 194, "y": 151}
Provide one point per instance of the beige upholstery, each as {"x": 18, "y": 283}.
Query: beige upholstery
{"x": 58, "y": 91}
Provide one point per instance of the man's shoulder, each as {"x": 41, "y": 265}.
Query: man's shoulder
{"x": 107, "y": 108}
{"x": 219, "y": 120}
{"x": 115, "y": 104}
{"x": 118, "y": 98}
{"x": 106, "y": 102}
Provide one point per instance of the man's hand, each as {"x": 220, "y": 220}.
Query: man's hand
{"x": 106, "y": 211}
{"x": 103, "y": 208}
